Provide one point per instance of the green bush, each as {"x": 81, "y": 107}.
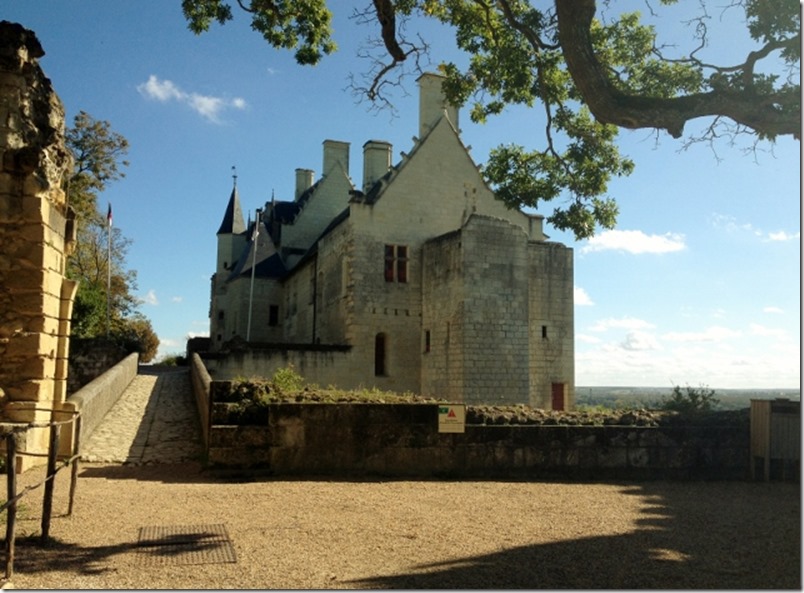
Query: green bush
{"x": 286, "y": 380}
{"x": 690, "y": 400}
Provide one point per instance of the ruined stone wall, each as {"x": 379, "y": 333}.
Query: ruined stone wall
{"x": 36, "y": 229}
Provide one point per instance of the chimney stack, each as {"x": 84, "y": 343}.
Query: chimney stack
{"x": 432, "y": 103}
{"x": 335, "y": 152}
{"x": 304, "y": 181}
{"x": 376, "y": 161}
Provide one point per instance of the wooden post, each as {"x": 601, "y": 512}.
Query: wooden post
{"x": 47, "y": 503}
{"x": 11, "y": 487}
{"x": 74, "y": 470}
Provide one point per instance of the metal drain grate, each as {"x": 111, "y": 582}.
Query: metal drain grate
{"x": 185, "y": 544}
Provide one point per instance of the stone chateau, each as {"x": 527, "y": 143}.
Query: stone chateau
{"x": 417, "y": 279}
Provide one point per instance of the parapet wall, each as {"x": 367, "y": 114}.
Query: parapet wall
{"x": 402, "y": 440}
{"x": 201, "y": 383}
{"x": 97, "y": 397}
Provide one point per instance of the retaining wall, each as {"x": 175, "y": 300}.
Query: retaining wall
{"x": 96, "y": 398}
{"x": 402, "y": 440}
{"x": 201, "y": 383}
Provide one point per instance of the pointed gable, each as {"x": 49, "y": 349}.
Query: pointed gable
{"x": 232, "y": 222}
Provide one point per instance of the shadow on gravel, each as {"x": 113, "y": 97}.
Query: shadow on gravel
{"x": 686, "y": 535}
{"x": 56, "y": 556}
{"x": 681, "y": 541}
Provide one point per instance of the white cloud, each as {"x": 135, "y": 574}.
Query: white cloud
{"x": 635, "y": 242}
{"x": 710, "y": 334}
{"x": 150, "y": 298}
{"x": 160, "y": 90}
{"x": 730, "y": 225}
{"x": 207, "y": 106}
{"x": 761, "y": 330}
{"x": 783, "y": 236}
{"x": 176, "y": 299}
{"x": 586, "y": 339}
{"x": 775, "y": 310}
{"x": 581, "y": 297}
{"x": 638, "y": 341}
{"x": 693, "y": 364}
{"x": 630, "y": 323}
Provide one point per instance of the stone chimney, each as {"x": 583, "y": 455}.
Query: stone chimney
{"x": 304, "y": 181}
{"x": 335, "y": 152}
{"x": 432, "y": 103}
{"x": 376, "y": 161}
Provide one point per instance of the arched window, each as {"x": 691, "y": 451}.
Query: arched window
{"x": 380, "y": 352}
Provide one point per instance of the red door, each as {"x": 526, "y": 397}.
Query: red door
{"x": 558, "y": 396}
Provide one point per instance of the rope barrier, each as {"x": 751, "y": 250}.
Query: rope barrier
{"x": 10, "y": 505}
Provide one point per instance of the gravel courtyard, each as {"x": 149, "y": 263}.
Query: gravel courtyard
{"x": 221, "y": 533}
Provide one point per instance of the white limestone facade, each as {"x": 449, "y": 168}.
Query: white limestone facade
{"x": 418, "y": 280}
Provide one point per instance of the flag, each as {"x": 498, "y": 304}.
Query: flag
{"x": 109, "y": 215}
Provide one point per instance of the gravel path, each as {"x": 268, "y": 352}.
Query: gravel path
{"x": 207, "y": 532}
{"x": 319, "y": 534}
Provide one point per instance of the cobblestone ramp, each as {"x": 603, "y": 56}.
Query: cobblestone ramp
{"x": 154, "y": 421}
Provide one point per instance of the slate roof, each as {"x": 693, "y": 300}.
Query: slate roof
{"x": 269, "y": 263}
{"x": 232, "y": 222}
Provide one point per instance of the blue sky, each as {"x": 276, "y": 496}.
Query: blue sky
{"x": 699, "y": 283}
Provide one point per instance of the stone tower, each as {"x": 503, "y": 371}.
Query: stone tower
{"x": 36, "y": 232}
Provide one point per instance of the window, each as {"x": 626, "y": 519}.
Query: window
{"x": 427, "y": 341}
{"x": 379, "y": 355}
{"x": 220, "y": 315}
{"x": 396, "y": 263}
{"x": 544, "y": 332}
{"x": 273, "y": 315}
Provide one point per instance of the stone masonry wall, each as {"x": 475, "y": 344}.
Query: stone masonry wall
{"x": 36, "y": 229}
{"x": 402, "y": 440}
{"x": 552, "y": 328}
{"x": 495, "y": 332}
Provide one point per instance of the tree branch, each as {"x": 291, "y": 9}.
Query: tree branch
{"x": 764, "y": 114}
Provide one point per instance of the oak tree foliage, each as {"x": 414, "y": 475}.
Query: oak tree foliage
{"x": 586, "y": 67}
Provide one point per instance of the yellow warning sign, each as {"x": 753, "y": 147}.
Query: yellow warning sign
{"x": 451, "y": 418}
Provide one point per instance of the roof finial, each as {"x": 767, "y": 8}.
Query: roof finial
{"x": 234, "y": 175}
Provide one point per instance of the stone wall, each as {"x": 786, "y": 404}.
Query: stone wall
{"x": 90, "y": 358}
{"x": 402, "y": 440}
{"x": 201, "y": 382}
{"x": 321, "y": 365}
{"x": 36, "y": 231}
{"x": 94, "y": 399}
{"x": 552, "y": 327}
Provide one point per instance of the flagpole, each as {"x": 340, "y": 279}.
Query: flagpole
{"x": 253, "y": 270}
{"x": 108, "y": 267}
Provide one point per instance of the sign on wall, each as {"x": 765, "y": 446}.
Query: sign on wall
{"x": 451, "y": 418}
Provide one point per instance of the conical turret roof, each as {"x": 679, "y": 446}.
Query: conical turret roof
{"x": 233, "y": 218}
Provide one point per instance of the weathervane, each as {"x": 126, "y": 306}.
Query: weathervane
{"x": 234, "y": 175}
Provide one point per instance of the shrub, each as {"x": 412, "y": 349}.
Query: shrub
{"x": 286, "y": 380}
{"x": 691, "y": 400}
